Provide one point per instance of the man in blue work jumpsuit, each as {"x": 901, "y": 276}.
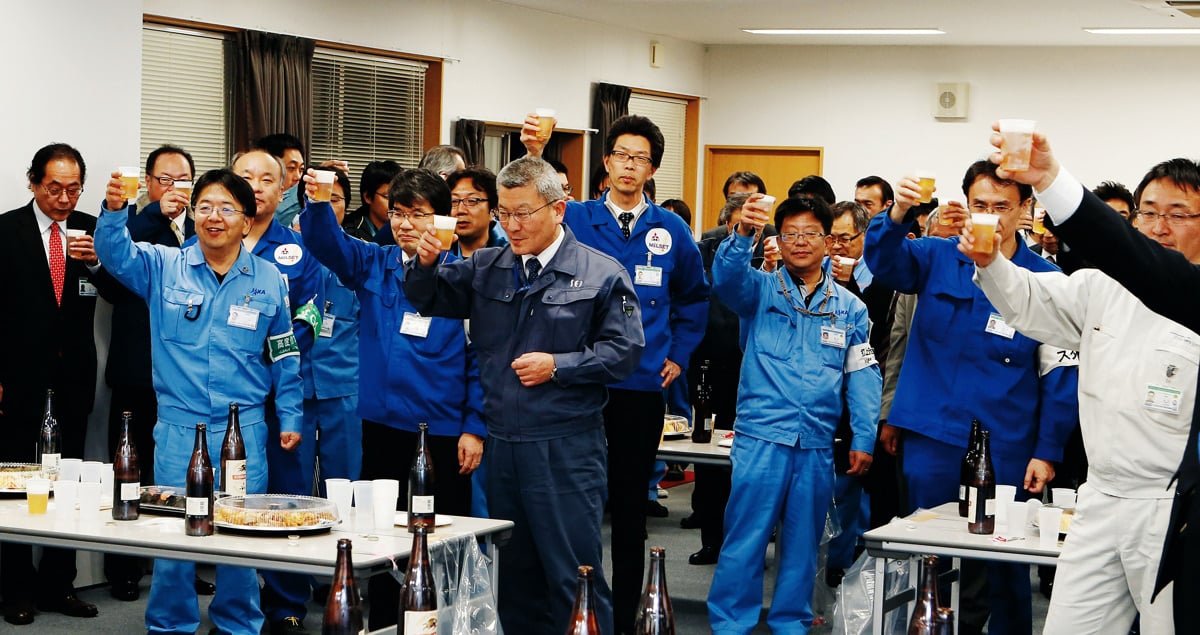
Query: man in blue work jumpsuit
{"x": 554, "y": 322}
{"x": 414, "y": 368}
{"x": 222, "y": 334}
{"x": 805, "y": 345}
{"x": 963, "y": 363}
{"x": 659, "y": 252}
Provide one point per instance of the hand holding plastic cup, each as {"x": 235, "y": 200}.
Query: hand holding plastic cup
{"x": 325, "y": 180}
{"x": 1049, "y": 519}
{"x": 771, "y": 248}
{"x": 385, "y": 492}
{"x": 444, "y": 227}
{"x": 983, "y": 228}
{"x": 130, "y": 179}
{"x": 1016, "y": 144}
{"x": 926, "y": 182}
{"x": 547, "y": 119}
{"x": 845, "y": 267}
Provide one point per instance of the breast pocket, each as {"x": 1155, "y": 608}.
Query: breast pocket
{"x": 253, "y": 340}
{"x": 179, "y": 320}
{"x": 492, "y": 315}
{"x": 944, "y": 310}
{"x": 571, "y": 312}
{"x": 773, "y": 335}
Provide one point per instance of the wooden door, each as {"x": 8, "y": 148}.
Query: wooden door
{"x": 778, "y": 166}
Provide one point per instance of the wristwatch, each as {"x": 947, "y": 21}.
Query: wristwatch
{"x": 554, "y": 374}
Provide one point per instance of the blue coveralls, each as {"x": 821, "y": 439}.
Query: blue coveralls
{"x": 955, "y": 371}
{"x": 789, "y": 402}
{"x": 200, "y": 359}
{"x": 582, "y": 309}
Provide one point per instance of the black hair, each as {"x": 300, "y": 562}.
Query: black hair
{"x": 1111, "y": 190}
{"x": 796, "y": 205}
{"x": 745, "y": 178}
{"x": 342, "y": 180}
{"x": 418, "y": 184}
{"x": 234, "y": 184}
{"x": 558, "y": 166}
{"x": 987, "y": 169}
{"x": 679, "y": 207}
{"x": 280, "y": 142}
{"x": 885, "y": 188}
{"x": 637, "y": 126}
{"x": 481, "y": 179}
{"x": 1184, "y": 173}
{"x": 598, "y": 176}
{"x": 375, "y": 174}
{"x": 650, "y": 189}
{"x": 813, "y": 186}
{"x": 169, "y": 149}
{"x": 53, "y": 152}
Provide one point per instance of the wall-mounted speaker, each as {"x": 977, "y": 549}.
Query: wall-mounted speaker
{"x": 950, "y": 100}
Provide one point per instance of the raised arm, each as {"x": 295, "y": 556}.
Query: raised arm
{"x": 133, "y": 265}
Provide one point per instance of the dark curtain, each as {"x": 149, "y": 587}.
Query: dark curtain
{"x": 610, "y": 103}
{"x": 468, "y": 135}
{"x": 271, "y": 84}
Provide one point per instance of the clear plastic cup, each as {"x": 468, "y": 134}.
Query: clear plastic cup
{"x": 37, "y": 494}
{"x": 364, "y": 506}
{"x": 325, "y": 181}
{"x": 66, "y": 495}
{"x": 1005, "y": 494}
{"x": 1016, "y": 144}
{"x": 547, "y": 119}
{"x": 130, "y": 179}
{"x": 89, "y": 501}
{"x": 1049, "y": 520}
{"x": 341, "y": 492}
{"x": 385, "y": 492}
{"x": 1063, "y": 497}
{"x": 984, "y": 230}
{"x": 68, "y": 469}
{"x": 444, "y": 226}
{"x": 927, "y": 182}
{"x": 91, "y": 471}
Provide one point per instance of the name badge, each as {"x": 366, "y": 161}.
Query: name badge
{"x": 997, "y": 326}
{"x": 327, "y": 325}
{"x": 243, "y": 317}
{"x": 86, "y": 288}
{"x": 833, "y": 337}
{"x": 1162, "y": 399}
{"x": 648, "y": 276}
{"x": 415, "y": 325}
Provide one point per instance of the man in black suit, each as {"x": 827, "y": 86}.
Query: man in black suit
{"x": 47, "y": 306}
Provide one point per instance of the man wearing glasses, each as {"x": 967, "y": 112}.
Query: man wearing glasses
{"x": 964, "y": 363}
{"x": 47, "y": 305}
{"x": 806, "y": 346}
{"x": 472, "y": 197}
{"x": 554, "y": 322}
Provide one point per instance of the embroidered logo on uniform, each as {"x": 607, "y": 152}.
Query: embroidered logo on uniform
{"x": 289, "y": 254}
{"x": 577, "y": 284}
{"x": 658, "y": 241}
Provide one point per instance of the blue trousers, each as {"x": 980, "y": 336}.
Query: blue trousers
{"x": 173, "y": 606}
{"x": 554, "y": 491}
{"x": 771, "y": 482}
{"x": 853, "y": 510}
{"x": 932, "y": 469}
{"x": 340, "y": 445}
{"x": 284, "y": 594}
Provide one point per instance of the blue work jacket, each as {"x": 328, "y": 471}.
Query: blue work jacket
{"x": 202, "y": 363}
{"x": 404, "y": 378}
{"x": 331, "y": 370}
{"x": 795, "y": 365}
{"x": 675, "y": 312}
{"x": 581, "y": 309}
{"x": 954, "y": 370}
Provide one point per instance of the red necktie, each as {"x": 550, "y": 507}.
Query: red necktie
{"x": 58, "y": 264}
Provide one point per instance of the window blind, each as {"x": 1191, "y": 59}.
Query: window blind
{"x": 670, "y": 115}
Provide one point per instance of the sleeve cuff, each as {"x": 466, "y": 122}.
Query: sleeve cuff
{"x": 1063, "y": 197}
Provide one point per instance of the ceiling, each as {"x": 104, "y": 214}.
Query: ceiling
{"x": 966, "y": 22}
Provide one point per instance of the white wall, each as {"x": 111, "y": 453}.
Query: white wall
{"x": 1110, "y": 113}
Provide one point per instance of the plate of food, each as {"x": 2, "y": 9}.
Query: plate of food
{"x": 675, "y": 427}
{"x": 14, "y": 475}
{"x": 275, "y": 514}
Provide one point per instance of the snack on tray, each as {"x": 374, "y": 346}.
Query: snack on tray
{"x": 675, "y": 424}
{"x": 275, "y": 511}
{"x": 14, "y": 475}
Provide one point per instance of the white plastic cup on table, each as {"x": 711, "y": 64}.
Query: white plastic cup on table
{"x": 444, "y": 226}
{"x": 37, "y": 494}
{"x": 983, "y": 228}
{"x": 130, "y": 179}
{"x": 1018, "y": 518}
{"x": 927, "y": 182}
{"x": 1005, "y": 494}
{"x": 1049, "y": 519}
{"x": 341, "y": 492}
{"x": 89, "y": 501}
{"x": 90, "y": 471}
{"x": 106, "y": 476}
{"x": 1016, "y": 144}
{"x": 547, "y": 118}
{"x": 364, "y": 506}
{"x": 1063, "y": 497}
{"x": 68, "y": 469}
{"x": 66, "y": 494}
{"x": 325, "y": 180}
{"x": 384, "y": 493}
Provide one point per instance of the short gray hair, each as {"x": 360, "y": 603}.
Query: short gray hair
{"x": 443, "y": 159}
{"x": 532, "y": 171}
{"x": 857, "y": 212}
{"x": 732, "y": 204}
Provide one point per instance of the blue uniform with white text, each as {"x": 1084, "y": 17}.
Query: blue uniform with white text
{"x": 794, "y": 371}
{"x": 214, "y": 343}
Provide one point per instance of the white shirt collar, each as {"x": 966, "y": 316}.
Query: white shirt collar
{"x": 617, "y": 211}
{"x": 44, "y": 221}
{"x": 548, "y": 253}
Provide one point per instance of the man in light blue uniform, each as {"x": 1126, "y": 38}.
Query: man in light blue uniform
{"x": 806, "y": 344}
{"x": 221, "y": 333}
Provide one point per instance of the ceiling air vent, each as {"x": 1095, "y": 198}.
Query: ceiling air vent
{"x": 1173, "y": 8}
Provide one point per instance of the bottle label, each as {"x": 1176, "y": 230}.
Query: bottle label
{"x": 962, "y": 492}
{"x": 972, "y": 497}
{"x": 235, "y": 478}
{"x": 130, "y": 491}
{"x": 708, "y": 424}
{"x": 197, "y": 506}
{"x": 989, "y": 507}
{"x": 422, "y": 505}
{"x": 420, "y": 622}
{"x": 51, "y": 460}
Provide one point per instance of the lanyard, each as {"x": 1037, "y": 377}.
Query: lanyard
{"x": 820, "y": 312}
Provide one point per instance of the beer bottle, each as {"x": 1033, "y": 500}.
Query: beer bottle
{"x": 583, "y": 616}
{"x": 418, "y": 594}
{"x": 49, "y": 437}
{"x": 702, "y": 418}
{"x": 343, "y": 608}
{"x": 199, "y": 504}
{"x": 965, "y": 470}
{"x": 655, "y": 616}
{"x": 127, "y": 476}
{"x": 233, "y": 456}
{"x": 944, "y": 624}
{"x": 981, "y": 494}
{"x": 420, "y": 483}
{"x": 925, "y": 613}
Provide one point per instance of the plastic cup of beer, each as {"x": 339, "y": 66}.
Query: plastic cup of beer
{"x": 942, "y": 218}
{"x": 66, "y": 494}
{"x": 444, "y": 226}
{"x": 846, "y": 265}
{"x": 1016, "y": 144}
{"x": 984, "y": 230}
{"x": 37, "y": 493}
{"x": 129, "y": 177}
{"x": 1049, "y": 520}
{"x": 767, "y": 200}
{"x": 184, "y": 187}
{"x": 1063, "y": 497}
{"x": 364, "y": 506}
{"x": 547, "y": 118}
{"x": 68, "y": 469}
{"x": 1039, "y": 220}
{"x": 385, "y": 492}
{"x": 73, "y": 235}
{"x": 325, "y": 181}
{"x": 926, "y": 181}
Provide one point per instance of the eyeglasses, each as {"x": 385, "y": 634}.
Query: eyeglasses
{"x": 165, "y": 180}
{"x": 625, "y": 157}
{"x": 791, "y": 237}
{"x": 55, "y": 190}
{"x": 466, "y": 202}
{"x": 1176, "y": 218}
{"x": 408, "y": 216}
{"x": 980, "y": 208}
{"x": 207, "y": 210}
{"x": 567, "y": 189}
{"x": 505, "y": 216}
{"x": 844, "y": 239}
{"x": 334, "y": 198}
